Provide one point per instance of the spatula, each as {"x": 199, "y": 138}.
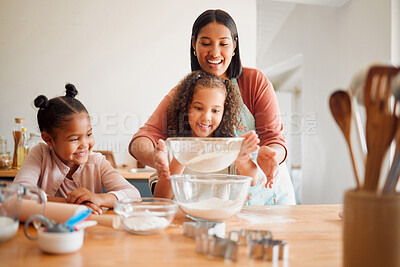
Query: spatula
{"x": 381, "y": 122}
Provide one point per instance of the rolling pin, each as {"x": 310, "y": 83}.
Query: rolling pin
{"x": 61, "y": 212}
{"x": 109, "y": 220}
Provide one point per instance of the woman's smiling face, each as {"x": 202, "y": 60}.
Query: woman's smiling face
{"x": 214, "y": 48}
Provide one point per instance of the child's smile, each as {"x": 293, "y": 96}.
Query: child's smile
{"x": 74, "y": 141}
{"x": 206, "y": 110}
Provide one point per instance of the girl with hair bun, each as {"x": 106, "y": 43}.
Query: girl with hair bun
{"x": 65, "y": 167}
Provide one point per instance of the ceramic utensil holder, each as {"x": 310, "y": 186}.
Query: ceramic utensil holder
{"x": 371, "y": 234}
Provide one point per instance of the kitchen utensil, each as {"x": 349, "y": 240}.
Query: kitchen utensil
{"x": 205, "y": 154}
{"x": 48, "y": 224}
{"x": 60, "y": 243}
{"x": 340, "y": 105}
{"x": 218, "y": 247}
{"x": 381, "y": 122}
{"x": 210, "y": 197}
{"x": 146, "y": 215}
{"x": 371, "y": 229}
{"x": 259, "y": 244}
{"x": 356, "y": 114}
{"x": 77, "y": 218}
{"x": 267, "y": 249}
{"x": 195, "y": 229}
{"x": 356, "y": 90}
{"x": 394, "y": 173}
{"x": 59, "y": 212}
{"x": 10, "y": 200}
{"x": 243, "y": 235}
{"x": 113, "y": 221}
{"x": 55, "y": 238}
{"x": 84, "y": 224}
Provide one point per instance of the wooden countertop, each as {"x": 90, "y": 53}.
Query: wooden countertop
{"x": 123, "y": 171}
{"x": 313, "y": 232}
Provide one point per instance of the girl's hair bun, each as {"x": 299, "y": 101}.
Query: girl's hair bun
{"x": 71, "y": 90}
{"x": 41, "y": 102}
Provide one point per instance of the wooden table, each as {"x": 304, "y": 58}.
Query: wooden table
{"x": 313, "y": 232}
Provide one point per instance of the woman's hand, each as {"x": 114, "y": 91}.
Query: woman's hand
{"x": 160, "y": 157}
{"x": 268, "y": 163}
{"x": 163, "y": 186}
{"x": 249, "y": 145}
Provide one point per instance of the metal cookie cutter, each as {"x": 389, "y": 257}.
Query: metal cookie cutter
{"x": 276, "y": 249}
{"x": 267, "y": 249}
{"x": 242, "y": 235}
{"x": 195, "y": 229}
{"x": 215, "y": 246}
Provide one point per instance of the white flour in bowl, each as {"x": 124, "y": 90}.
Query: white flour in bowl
{"x": 211, "y": 162}
{"x": 145, "y": 221}
{"x": 8, "y": 228}
{"x": 212, "y": 208}
{"x": 208, "y": 156}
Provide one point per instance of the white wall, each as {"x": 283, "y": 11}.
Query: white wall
{"x": 334, "y": 42}
{"x": 123, "y": 56}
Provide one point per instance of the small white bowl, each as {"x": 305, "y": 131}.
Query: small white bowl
{"x": 60, "y": 243}
{"x": 146, "y": 215}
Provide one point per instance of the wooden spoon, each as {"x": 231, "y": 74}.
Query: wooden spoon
{"x": 340, "y": 105}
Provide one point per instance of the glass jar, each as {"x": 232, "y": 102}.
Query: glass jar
{"x": 5, "y": 158}
{"x": 22, "y": 149}
{"x": 34, "y": 139}
{"x": 17, "y": 133}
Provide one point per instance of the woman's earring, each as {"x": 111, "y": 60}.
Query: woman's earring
{"x": 194, "y": 53}
{"x": 233, "y": 54}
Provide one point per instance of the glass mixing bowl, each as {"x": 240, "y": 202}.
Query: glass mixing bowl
{"x": 146, "y": 215}
{"x": 205, "y": 155}
{"x": 210, "y": 197}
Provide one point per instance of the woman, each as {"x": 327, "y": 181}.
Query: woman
{"x": 215, "y": 50}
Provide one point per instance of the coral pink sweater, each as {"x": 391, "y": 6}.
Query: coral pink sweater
{"x": 44, "y": 169}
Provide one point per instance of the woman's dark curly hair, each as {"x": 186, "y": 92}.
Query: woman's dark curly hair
{"x": 178, "y": 109}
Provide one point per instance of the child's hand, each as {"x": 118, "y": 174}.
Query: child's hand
{"x": 95, "y": 209}
{"x": 160, "y": 158}
{"x": 84, "y": 196}
{"x": 249, "y": 145}
{"x": 268, "y": 163}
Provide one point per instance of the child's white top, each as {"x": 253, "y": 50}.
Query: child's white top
{"x": 44, "y": 169}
